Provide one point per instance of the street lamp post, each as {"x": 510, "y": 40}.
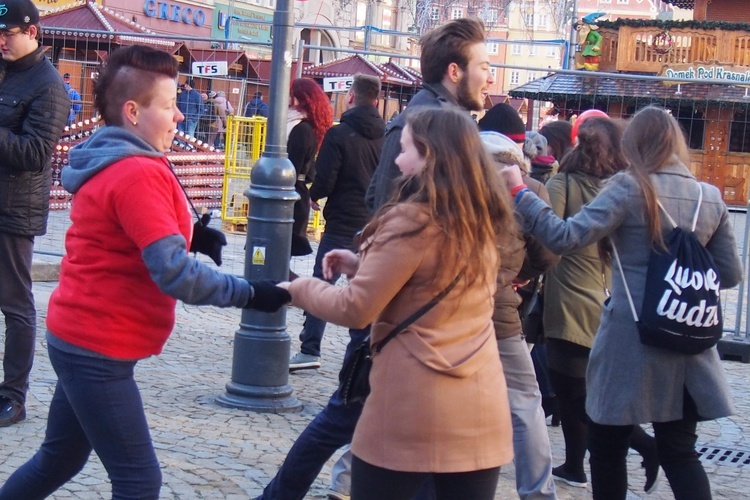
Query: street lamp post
{"x": 260, "y": 365}
{"x": 573, "y": 35}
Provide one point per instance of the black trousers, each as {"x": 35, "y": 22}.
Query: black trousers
{"x": 17, "y": 305}
{"x": 376, "y": 483}
{"x": 675, "y": 442}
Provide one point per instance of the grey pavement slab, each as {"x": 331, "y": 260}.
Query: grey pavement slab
{"x": 208, "y": 451}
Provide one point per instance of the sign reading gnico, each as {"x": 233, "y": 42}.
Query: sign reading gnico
{"x": 175, "y": 13}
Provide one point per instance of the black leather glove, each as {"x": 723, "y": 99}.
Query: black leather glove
{"x": 206, "y": 240}
{"x": 267, "y": 297}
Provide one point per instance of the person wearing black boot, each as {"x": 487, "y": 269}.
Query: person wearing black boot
{"x": 575, "y": 290}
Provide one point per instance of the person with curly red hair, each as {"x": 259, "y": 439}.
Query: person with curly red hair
{"x": 310, "y": 116}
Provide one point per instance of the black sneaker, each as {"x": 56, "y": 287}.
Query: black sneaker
{"x": 577, "y": 480}
{"x": 11, "y": 411}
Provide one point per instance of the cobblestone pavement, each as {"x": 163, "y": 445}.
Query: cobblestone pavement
{"x": 208, "y": 451}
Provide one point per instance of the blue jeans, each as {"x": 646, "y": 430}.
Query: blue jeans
{"x": 331, "y": 429}
{"x": 314, "y": 327}
{"x": 96, "y": 406}
{"x": 533, "y": 457}
{"x": 17, "y": 305}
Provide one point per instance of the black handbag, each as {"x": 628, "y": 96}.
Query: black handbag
{"x": 532, "y": 325}
{"x": 354, "y": 377}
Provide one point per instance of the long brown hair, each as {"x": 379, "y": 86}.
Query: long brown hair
{"x": 460, "y": 188}
{"x": 653, "y": 139}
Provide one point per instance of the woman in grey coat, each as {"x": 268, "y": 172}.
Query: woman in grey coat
{"x": 574, "y": 291}
{"x": 629, "y": 383}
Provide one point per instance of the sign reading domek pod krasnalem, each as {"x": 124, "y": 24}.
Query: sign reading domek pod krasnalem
{"x": 696, "y": 71}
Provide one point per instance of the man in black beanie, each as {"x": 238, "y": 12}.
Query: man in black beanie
{"x": 455, "y": 72}
{"x": 29, "y": 131}
{"x": 502, "y": 118}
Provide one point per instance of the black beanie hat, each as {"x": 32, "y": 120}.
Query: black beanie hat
{"x": 504, "y": 119}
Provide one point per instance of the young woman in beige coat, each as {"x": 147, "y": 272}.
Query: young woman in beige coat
{"x": 438, "y": 404}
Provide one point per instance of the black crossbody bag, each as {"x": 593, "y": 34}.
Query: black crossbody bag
{"x": 354, "y": 377}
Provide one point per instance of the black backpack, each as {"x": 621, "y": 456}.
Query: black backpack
{"x": 681, "y": 307}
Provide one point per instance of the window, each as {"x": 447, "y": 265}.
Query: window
{"x": 490, "y": 17}
{"x": 457, "y": 13}
{"x": 531, "y": 76}
{"x": 361, "y": 21}
{"x": 435, "y": 14}
{"x": 542, "y": 21}
{"x": 493, "y": 71}
{"x": 551, "y": 51}
{"x": 623, "y": 2}
{"x": 605, "y": 1}
{"x": 693, "y": 124}
{"x": 529, "y": 20}
{"x": 532, "y": 50}
{"x": 739, "y": 132}
{"x": 515, "y": 49}
{"x": 493, "y": 47}
{"x": 514, "y": 77}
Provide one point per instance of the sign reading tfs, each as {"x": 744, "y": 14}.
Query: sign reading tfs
{"x": 212, "y": 68}
{"x": 337, "y": 83}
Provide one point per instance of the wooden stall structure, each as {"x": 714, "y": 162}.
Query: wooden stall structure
{"x": 715, "y": 117}
{"x": 398, "y": 83}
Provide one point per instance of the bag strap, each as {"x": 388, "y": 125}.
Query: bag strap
{"x": 617, "y": 256}
{"x": 378, "y": 346}
{"x": 695, "y": 215}
{"x": 624, "y": 281}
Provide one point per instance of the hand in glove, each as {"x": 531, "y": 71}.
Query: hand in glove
{"x": 206, "y": 240}
{"x": 267, "y": 297}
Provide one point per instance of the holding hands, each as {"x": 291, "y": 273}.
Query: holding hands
{"x": 268, "y": 297}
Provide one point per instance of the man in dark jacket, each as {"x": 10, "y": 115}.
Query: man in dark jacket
{"x": 190, "y": 104}
{"x": 31, "y": 123}
{"x": 456, "y": 72}
{"x": 347, "y": 158}
{"x": 256, "y": 106}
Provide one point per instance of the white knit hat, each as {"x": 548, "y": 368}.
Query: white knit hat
{"x": 501, "y": 147}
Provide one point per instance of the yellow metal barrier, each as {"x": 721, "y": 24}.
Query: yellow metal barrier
{"x": 245, "y": 141}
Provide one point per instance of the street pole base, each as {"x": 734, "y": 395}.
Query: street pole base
{"x": 260, "y": 399}
{"x": 734, "y": 349}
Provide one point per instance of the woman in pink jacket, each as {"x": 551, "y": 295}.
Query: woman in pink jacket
{"x": 438, "y": 404}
